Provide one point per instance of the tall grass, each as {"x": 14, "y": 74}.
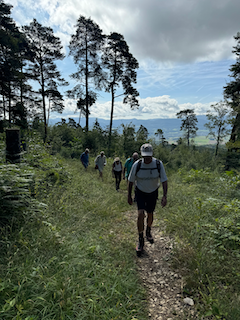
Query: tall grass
{"x": 75, "y": 260}
{"x": 203, "y": 214}
{"x": 74, "y": 257}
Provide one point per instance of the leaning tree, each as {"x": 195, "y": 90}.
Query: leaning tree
{"x": 120, "y": 66}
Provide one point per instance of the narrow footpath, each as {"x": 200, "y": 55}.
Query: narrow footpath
{"x": 163, "y": 284}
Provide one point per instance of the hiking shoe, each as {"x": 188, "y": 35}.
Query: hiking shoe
{"x": 149, "y": 236}
{"x": 139, "y": 247}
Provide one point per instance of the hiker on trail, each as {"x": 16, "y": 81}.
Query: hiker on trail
{"x": 148, "y": 173}
{"x": 100, "y": 162}
{"x": 128, "y": 165}
{"x": 84, "y": 157}
{"x": 117, "y": 171}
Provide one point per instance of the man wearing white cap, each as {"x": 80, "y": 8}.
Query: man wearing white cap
{"x": 117, "y": 171}
{"x": 100, "y": 163}
{"x": 148, "y": 173}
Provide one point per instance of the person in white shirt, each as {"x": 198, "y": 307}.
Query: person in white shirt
{"x": 117, "y": 171}
{"x": 100, "y": 162}
{"x": 147, "y": 173}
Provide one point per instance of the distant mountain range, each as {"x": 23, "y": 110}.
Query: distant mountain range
{"x": 170, "y": 127}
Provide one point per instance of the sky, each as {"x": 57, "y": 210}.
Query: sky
{"x": 184, "y": 49}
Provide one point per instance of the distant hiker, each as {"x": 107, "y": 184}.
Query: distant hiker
{"x": 117, "y": 171}
{"x": 128, "y": 165}
{"x": 85, "y": 158}
{"x": 100, "y": 162}
{"x": 148, "y": 173}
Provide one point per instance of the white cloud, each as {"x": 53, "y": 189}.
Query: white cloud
{"x": 170, "y": 31}
{"x": 182, "y": 47}
{"x": 150, "y": 108}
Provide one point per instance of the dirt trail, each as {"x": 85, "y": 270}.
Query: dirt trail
{"x": 164, "y": 285}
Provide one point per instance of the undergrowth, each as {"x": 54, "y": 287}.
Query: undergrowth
{"x": 68, "y": 249}
{"x": 203, "y": 213}
{"x": 73, "y": 258}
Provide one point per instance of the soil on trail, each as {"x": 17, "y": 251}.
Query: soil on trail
{"x": 163, "y": 284}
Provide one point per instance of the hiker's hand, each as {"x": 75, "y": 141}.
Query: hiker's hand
{"x": 130, "y": 201}
{"x": 164, "y": 201}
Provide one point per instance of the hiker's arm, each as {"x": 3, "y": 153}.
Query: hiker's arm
{"x": 113, "y": 170}
{"x": 130, "y": 185}
{"x": 124, "y": 170}
{"x": 164, "y": 198}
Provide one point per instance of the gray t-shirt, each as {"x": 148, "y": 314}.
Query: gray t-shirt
{"x": 100, "y": 161}
{"x": 147, "y": 178}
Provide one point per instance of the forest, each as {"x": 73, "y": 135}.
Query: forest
{"x": 67, "y": 245}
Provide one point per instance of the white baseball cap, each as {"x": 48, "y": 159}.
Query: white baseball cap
{"x": 146, "y": 150}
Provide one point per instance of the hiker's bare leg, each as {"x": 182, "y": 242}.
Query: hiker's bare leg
{"x": 140, "y": 221}
{"x": 149, "y": 224}
{"x": 149, "y": 219}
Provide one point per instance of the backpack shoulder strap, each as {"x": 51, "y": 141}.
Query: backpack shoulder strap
{"x": 158, "y": 166}
{"x": 138, "y": 165}
{"x": 157, "y": 163}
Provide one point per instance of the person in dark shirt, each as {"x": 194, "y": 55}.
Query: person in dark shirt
{"x": 85, "y": 158}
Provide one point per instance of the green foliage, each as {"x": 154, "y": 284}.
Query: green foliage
{"x": 120, "y": 66}
{"x": 85, "y": 47}
{"x": 197, "y": 176}
{"x": 218, "y": 122}
{"x": 75, "y": 258}
{"x": 43, "y": 69}
{"x": 141, "y": 135}
{"x": 37, "y": 173}
{"x": 15, "y": 197}
{"x": 203, "y": 213}
{"x": 129, "y": 135}
{"x": 189, "y": 123}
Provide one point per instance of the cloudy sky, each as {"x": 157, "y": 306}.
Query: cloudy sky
{"x": 184, "y": 48}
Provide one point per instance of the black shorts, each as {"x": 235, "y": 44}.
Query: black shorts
{"x": 146, "y": 201}
{"x": 118, "y": 174}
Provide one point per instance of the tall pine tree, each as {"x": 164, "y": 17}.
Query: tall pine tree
{"x": 85, "y": 47}
{"x": 120, "y": 66}
{"x": 232, "y": 95}
{"x": 47, "y": 49}
{"x": 189, "y": 123}
{"x": 14, "y": 51}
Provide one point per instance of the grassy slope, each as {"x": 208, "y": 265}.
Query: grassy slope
{"x": 203, "y": 213}
{"x": 76, "y": 261}
{"x": 79, "y": 262}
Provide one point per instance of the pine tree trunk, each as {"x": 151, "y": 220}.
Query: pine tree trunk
{"x": 44, "y": 105}
{"x": 86, "y": 80}
{"x": 111, "y": 120}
